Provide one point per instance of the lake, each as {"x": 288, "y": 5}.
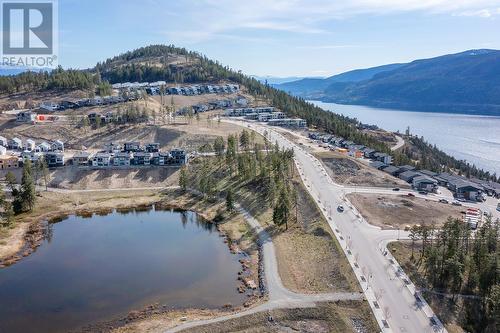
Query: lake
{"x": 475, "y": 139}
{"x": 96, "y": 269}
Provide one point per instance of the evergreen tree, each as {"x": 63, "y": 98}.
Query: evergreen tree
{"x": 27, "y": 193}
{"x": 229, "y": 201}
{"x": 183, "y": 178}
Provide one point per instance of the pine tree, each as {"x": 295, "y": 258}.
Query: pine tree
{"x": 229, "y": 201}
{"x": 183, "y": 178}
{"x": 27, "y": 194}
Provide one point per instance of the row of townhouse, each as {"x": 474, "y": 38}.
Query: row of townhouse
{"x": 428, "y": 181}
{"x": 266, "y": 114}
{"x": 239, "y": 101}
{"x": 52, "y": 159}
{"x": 17, "y": 144}
{"x": 351, "y": 148}
{"x": 241, "y": 112}
{"x": 175, "y": 157}
{"x": 52, "y": 106}
{"x": 159, "y": 87}
{"x": 421, "y": 180}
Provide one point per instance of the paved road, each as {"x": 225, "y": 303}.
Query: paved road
{"x": 399, "y": 144}
{"x": 279, "y": 296}
{"x": 365, "y": 242}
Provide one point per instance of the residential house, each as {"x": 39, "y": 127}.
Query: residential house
{"x": 15, "y": 144}
{"x": 49, "y": 106}
{"x": 3, "y": 141}
{"x": 25, "y": 117}
{"x": 378, "y": 165}
{"x": 30, "y": 145}
{"x": 392, "y": 170}
{"x": 142, "y": 158}
{"x": 161, "y": 158}
{"x": 179, "y": 156}
{"x": 121, "y": 159}
{"x": 252, "y": 116}
{"x": 43, "y": 147}
{"x": 113, "y": 148}
{"x": 408, "y": 176}
{"x": 288, "y": 122}
{"x": 152, "y": 147}
{"x": 368, "y": 152}
{"x": 424, "y": 183}
{"x": 58, "y": 145}
{"x": 383, "y": 157}
{"x": 132, "y": 146}
{"x": 31, "y": 155}
{"x": 81, "y": 158}
{"x": 101, "y": 160}
{"x": 54, "y": 159}
{"x": 241, "y": 101}
{"x": 428, "y": 173}
{"x": 469, "y": 191}
{"x": 69, "y": 104}
{"x": 8, "y": 162}
{"x": 406, "y": 167}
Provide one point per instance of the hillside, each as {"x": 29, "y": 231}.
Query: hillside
{"x": 467, "y": 82}
{"x": 314, "y": 87}
{"x": 178, "y": 65}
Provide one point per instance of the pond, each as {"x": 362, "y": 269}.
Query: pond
{"x": 89, "y": 270}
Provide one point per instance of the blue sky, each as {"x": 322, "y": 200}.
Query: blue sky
{"x": 279, "y": 38}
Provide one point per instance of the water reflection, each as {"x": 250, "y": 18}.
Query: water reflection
{"x": 92, "y": 268}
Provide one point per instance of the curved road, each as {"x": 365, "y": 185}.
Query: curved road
{"x": 399, "y": 144}
{"x": 279, "y": 296}
{"x": 397, "y": 309}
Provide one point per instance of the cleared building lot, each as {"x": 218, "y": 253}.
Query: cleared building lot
{"x": 388, "y": 211}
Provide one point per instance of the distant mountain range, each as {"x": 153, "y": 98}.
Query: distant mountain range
{"x": 466, "y": 82}
{"x": 274, "y": 80}
{"x": 8, "y": 71}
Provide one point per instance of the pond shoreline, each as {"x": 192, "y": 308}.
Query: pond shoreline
{"x": 37, "y": 230}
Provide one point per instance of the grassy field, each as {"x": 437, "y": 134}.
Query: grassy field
{"x": 326, "y": 317}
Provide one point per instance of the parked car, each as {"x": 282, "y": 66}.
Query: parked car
{"x": 396, "y": 189}
{"x": 456, "y": 203}
{"x": 340, "y": 208}
{"x": 411, "y": 194}
{"x": 423, "y": 192}
{"x": 443, "y": 201}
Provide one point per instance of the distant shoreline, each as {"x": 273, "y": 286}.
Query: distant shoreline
{"x": 428, "y": 109}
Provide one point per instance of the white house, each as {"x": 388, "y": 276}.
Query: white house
{"x": 101, "y": 160}
{"x": 121, "y": 159}
{"x": 15, "y": 143}
{"x": 30, "y": 145}
{"x": 58, "y": 145}
{"x": 25, "y": 117}
{"x": 43, "y": 147}
{"x": 49, "y": 106}
{"x": 3, "y": 150}
{"x": 3, "y": 141}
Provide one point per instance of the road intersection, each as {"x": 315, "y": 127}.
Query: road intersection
{"x": 388, "y": 290}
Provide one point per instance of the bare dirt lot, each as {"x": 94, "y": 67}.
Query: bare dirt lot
{"x": 347, "y": 171}
{"x": 399, "y": 211}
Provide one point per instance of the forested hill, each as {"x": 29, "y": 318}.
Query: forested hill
{"x": 314, "y": 88}
{"x": 178, "y": 65}
{"x": 467, "y": 82}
